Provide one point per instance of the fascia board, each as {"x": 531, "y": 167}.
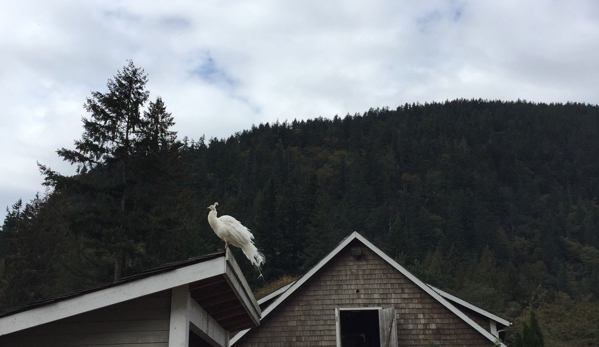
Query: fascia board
{"x": 275, "y": 293}
{"x": 112, "y": 295}
{"x": 236, "y": 280}
{"x": 471, "y": 307}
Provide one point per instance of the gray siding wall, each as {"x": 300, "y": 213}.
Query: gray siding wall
{"x": 307, "y": 318}
{"x": 142, "y": 322}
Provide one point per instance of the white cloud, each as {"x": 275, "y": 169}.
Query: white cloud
{"x": 222, "y": 66}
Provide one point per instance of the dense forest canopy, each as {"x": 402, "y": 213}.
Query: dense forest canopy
{"x": 493, "y": 201}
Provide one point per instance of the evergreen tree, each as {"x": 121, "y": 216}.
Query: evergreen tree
{"x": 530, "y": 335}
{"x": 9, "y": 227}
{"x": 35, "y": 234}
{"x": 110, "y": 133}
{"x": 155, "y": 135}
{"x": 105, "y": 155}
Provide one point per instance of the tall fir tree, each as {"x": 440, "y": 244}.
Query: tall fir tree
{"x": 104, "y": 156}
{"x": 531, "y": 334}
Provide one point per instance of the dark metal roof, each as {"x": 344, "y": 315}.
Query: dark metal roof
{"x": 148, "y": 273}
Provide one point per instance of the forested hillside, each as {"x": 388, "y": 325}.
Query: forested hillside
{"x": 493, "y": 201}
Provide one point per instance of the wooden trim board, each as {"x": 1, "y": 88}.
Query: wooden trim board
{"x": 110, "y": 296}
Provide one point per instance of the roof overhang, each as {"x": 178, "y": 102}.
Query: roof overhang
{"x": 215, "y": 282}
{"x": 272, "y": 296}
{"x": 458, "y": 301}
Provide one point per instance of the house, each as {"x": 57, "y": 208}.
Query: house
{"x": 358, "y": 296}
{"x": 197, "y": 302}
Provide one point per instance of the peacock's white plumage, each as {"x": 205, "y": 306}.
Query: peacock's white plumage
{"x": 233, "y": 232}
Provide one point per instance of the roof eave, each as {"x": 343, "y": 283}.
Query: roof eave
{"x": 471, "y": 307}
{"x": 242, "y": 289}
{"x": 163, "y": 278}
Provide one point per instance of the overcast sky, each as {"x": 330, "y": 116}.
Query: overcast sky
{"x": 222, "y": 66}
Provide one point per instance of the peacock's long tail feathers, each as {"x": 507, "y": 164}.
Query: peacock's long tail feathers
{"x": 260, "y": 259}
{"x": 255, "y": 257}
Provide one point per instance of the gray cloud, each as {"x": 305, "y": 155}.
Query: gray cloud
{"x": 222, "y": 66}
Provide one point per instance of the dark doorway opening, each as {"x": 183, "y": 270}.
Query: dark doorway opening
{"x": 196, "y": 341}
{"x": 360, "y": 328}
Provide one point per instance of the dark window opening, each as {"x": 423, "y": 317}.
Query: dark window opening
{"x": 360, "y": 328}
{"x": 196, "y": 341}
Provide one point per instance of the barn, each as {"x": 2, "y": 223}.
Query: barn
{"x": 358, "y": 296}
{"x": 194, "y": 303}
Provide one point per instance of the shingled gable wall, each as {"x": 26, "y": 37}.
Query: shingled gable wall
{"x": 307, "y": 317}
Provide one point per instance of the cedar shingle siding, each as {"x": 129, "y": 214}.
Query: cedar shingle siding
{"x": 307, "y": 317}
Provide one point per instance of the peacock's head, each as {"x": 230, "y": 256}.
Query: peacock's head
{"x": 213, "y": 207}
